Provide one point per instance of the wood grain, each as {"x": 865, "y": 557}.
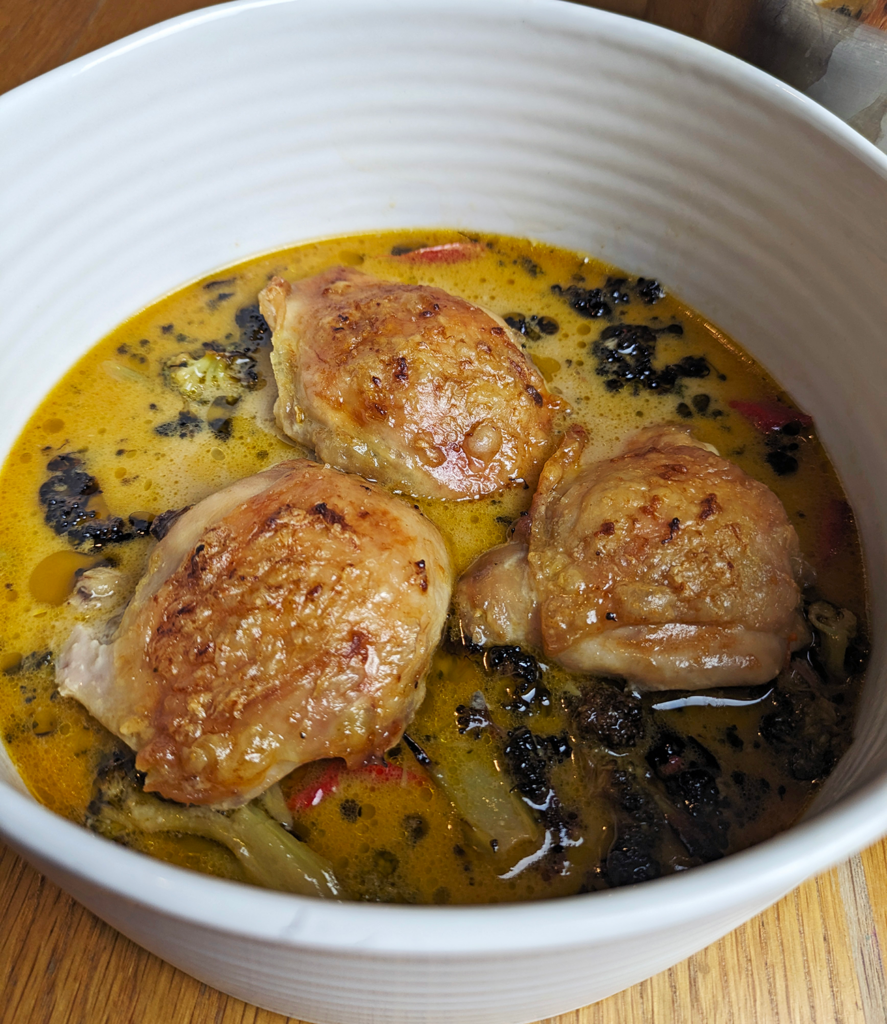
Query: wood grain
{"x": 37, "y": 36}
{"x": 798, "y": 963}
{"x": 814, "y": 958}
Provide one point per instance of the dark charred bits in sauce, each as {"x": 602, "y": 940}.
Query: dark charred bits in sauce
{"x": 593, "y": 303}
{"x": 781, "y": 462}
{"x": 254, "y": 330}
{"x": 784, "y": 446}
{"x": 806, "y": 720}
{"x": 614, "y": 291}
{"x": 649, "y": 290}
{"x": 219, "y": 418}
{"x": 185, "y": 425}
{"x": 625, "y": 355}
{"x": 72, "y": 507}
{"x": 698, "y": 405}
{"x": 218, "y": 299}
{"x": 530, "y": 759}
{"x": 529, "y": 266}
{"x": 221, "y": 426}
{"x": 785, "y": 432}
{"x": 689, "y": 772}
{"x": 530, "y": 691}
{"x": 532, "y": 327}
{"x": 639, "y": 823}
{"x": 415, "y": 828}
{"x": 473, "y": 717}
{"x": 608, "y": 715}
{"x": 587, "y": 302}
{"x": 350, "y": 810}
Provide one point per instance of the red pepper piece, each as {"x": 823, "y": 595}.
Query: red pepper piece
{"x": 328, "y": 780}
{"x": 388, "y": 773}
{"x": 320, "y": 787}
{"x": 451, "y": 252}
{"x": 837, "y": 524}
{"x": 767, "y": 416}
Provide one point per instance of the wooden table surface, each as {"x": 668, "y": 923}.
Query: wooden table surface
{"x": 814, "y": 958}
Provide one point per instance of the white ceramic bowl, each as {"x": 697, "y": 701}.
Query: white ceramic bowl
{"x": 246, "y": 127}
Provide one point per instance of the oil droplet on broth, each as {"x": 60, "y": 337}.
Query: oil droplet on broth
{"x": 53, "y": 579}
{"x": 10, "y": 660}
{"x": 546, "y": 366}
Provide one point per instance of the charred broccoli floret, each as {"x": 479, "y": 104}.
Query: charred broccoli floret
{"x": 684, "y": 778}
{"x": 639, "y": 824}
{"x": 204, "y": 376}
{"x": 608, "y": 715}
{"x": 805, "y": 725}
{"x": 836, "y": 628}
{"x": 255, "y": 834}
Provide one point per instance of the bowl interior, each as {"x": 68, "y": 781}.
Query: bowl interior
{"x": 255, "y": 125}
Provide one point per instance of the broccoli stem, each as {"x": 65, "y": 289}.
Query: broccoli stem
{"x": 268, "y": 854}
{"x": 496, "y": 816}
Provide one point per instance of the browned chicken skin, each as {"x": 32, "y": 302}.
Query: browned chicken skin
{"x": 406, "y": 384}
{"x": 667, "y": 565}
{"x": 288, "y": 617}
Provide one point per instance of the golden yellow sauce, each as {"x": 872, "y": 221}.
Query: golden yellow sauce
{"x": 392, "y": 833}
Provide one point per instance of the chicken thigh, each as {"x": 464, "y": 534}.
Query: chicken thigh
{"x": 406, "y": 384}
{"x": 667, "y": 565}
{"x": 290, "y": 616}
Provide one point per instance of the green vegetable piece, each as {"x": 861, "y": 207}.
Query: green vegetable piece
{"x": 269, "y": 855}
{"x": 273, "y": 803}
{"x": 465, "y": 760}
{"x": 836, "y": 628}
{"x": 496, "y": 815}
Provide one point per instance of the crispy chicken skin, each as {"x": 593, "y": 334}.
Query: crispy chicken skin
{"x": 406, "y": 384}
{"x": 667, "y": 565}
{"x": 288, "y": 617}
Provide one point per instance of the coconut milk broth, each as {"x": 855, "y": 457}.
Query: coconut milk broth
{"x": 391, "y": 833}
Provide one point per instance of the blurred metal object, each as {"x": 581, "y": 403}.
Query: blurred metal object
{"x": 834, "y": 51}
{"x": 836, "y": 54}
